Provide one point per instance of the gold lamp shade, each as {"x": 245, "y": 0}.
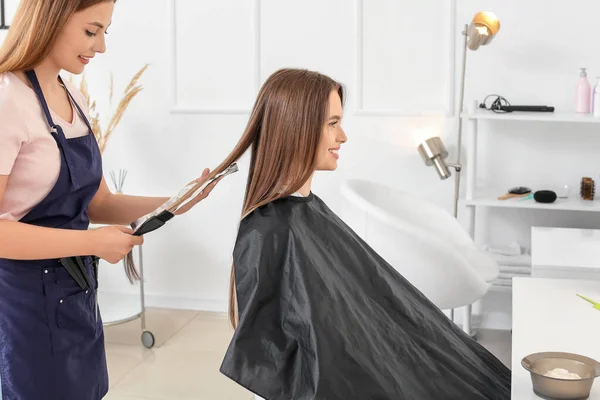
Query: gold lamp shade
{"x": 482, "y": 29}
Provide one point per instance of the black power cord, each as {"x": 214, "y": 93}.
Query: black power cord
{"x": 495, "y": 105}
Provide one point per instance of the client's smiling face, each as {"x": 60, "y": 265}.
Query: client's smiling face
{"x": 333, "y": 135}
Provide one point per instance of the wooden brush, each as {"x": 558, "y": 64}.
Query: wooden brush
{"x": 519, "y": 191}
{"x": 588, "y": 188}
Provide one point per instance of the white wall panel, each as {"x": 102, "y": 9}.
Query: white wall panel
{"x": 312, "y": 34}
{"x": 404, "y": 62}
{"x": 214, "y": 55}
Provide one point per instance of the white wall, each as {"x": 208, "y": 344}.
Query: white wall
{"x": 400, "y": 62}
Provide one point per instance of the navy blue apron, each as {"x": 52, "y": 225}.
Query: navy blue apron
{"x": 51, "y": 342}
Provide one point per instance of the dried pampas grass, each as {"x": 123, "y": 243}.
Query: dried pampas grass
{"x": 132, "y": 90}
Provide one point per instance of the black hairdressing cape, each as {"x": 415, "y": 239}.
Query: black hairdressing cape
{"x": 323, "y": 317}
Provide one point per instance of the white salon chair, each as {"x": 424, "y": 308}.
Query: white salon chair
{"x": 422, "y": 241}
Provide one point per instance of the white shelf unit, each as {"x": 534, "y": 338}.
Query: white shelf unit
{"x": 570, "y": 204}
{"x": 473, "y": 200}
{"x": 501, "y": 289}
{"x": 532, "y": 116}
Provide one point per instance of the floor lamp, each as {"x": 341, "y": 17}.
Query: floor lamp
{"x": 480, "y": 32}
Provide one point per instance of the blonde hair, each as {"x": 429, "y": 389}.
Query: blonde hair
{"x": 34, "y": 30}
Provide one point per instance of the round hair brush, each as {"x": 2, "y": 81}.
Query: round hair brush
{"x": 588, "y": 188}
{"x": 519, "y": 191}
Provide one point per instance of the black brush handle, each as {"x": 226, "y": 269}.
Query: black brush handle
{"x": 153, "y": 223}
{"x": 73, "y": 268}
{"x": 84, "y": 273}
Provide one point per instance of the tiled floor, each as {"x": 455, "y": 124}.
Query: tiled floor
{"x": 184, "y": 363}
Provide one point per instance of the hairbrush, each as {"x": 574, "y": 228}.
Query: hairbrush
{"x": 588, "y": 188}
{"x": 519, "y": 191}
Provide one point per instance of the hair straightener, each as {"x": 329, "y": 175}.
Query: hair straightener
{"x": 500, "y": 104}
{"x": 526, "y": 108}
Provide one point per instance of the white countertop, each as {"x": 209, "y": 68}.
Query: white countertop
{"x": 565, "y": 247}
{"x": 549, "y": 316}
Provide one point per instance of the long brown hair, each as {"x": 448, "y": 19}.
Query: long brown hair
{"x": 283, "y": 132}
{"x": 34, "y": 30}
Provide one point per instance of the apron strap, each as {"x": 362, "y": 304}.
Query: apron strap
{"x": 81, "y": 113}
{"x": 38, "y": 92}
{"x": 56, "y": 130}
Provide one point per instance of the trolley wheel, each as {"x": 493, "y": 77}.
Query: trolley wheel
{"x": 148, "y": 339}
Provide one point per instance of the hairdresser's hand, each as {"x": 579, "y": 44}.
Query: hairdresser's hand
{"x": 200, "y": 196}
{"x": 113, "y": 243}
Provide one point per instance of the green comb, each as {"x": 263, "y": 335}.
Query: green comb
{"x": 529, "y": 196}
{"x": 595, "y": 303}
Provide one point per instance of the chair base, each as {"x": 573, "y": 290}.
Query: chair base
{"x": 466, "y": 323}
